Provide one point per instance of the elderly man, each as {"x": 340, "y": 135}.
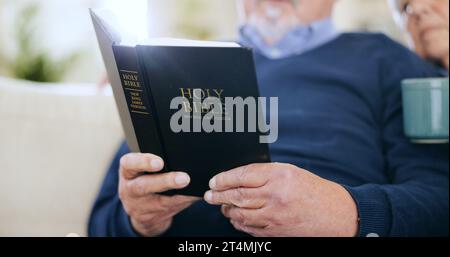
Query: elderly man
{"x": 342, "y": 165}
{"x": 427, "y": 24}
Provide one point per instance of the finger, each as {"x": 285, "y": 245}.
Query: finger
{"x": 251, "y": 198}
{"x": 247, "y": 217}
{"x": 179, "y": 208}
{"x": 164, "y": 204}
{"x": 252, "y": 176}
{"x": 134, "y": 164}
{"x": 157, "y": 183}
{"x": 254, "y": 231}
{"x": 178, "y": 199}
{"x": 174, "y": 207}
{"x": 151, "y": 216}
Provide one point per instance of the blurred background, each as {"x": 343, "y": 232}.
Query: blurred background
{"x": 61, "y": 35}
{"x": 58, "y": 130}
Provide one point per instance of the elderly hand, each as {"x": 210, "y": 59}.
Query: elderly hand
{"x": 283, "y": 200}
{"x": 150, "y": 213}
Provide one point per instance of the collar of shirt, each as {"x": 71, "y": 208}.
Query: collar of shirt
{"x": 297, "y": 41}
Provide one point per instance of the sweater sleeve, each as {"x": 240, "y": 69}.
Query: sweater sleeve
{"x": 416, "y": 201}
{"x": 108, "y": 217}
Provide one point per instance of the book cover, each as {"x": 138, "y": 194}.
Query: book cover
{"x": 152, "y": 75}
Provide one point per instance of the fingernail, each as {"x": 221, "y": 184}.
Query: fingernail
{"x": 156, "y": 164}
{"x": 182, "y": 179}
{"x": 212, "y": 183}
{"x": 208, "y": 196}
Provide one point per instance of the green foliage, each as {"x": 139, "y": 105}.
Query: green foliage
{"x": 32, "y": 64}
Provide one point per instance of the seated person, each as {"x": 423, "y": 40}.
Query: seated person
{"x": 342, "y": 165}
{"x": 427, "y": 25}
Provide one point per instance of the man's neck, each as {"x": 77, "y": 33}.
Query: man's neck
{"x": 296, "y": 42}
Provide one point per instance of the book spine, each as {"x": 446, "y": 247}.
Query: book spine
{"x": 138, "y": 100}
{"x": 151, "y": 96}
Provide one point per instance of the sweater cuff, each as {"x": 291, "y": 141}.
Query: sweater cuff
{"x": 374, "y": 210}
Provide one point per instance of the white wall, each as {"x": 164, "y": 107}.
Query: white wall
{"x": 370, "y": 15}
{"x": 216, "y": 15}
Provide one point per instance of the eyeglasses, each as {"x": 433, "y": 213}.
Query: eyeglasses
{"x": 403, "y": 7}
{"x": 408, "y": 7}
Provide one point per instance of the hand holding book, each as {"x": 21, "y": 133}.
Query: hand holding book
{"x": 278, "y": 199}
{"x": 150, "y": 213}
{"x": 271, "y": 199}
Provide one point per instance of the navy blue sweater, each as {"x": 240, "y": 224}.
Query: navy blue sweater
{"x": 340, "y": 117}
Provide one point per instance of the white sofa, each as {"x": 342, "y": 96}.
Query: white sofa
{"x": 56, "y": 142}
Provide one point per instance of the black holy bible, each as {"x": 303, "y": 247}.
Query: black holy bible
{"x": 147, "y": 77}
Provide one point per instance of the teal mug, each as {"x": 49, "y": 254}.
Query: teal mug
{"x": 425, "y": 110}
